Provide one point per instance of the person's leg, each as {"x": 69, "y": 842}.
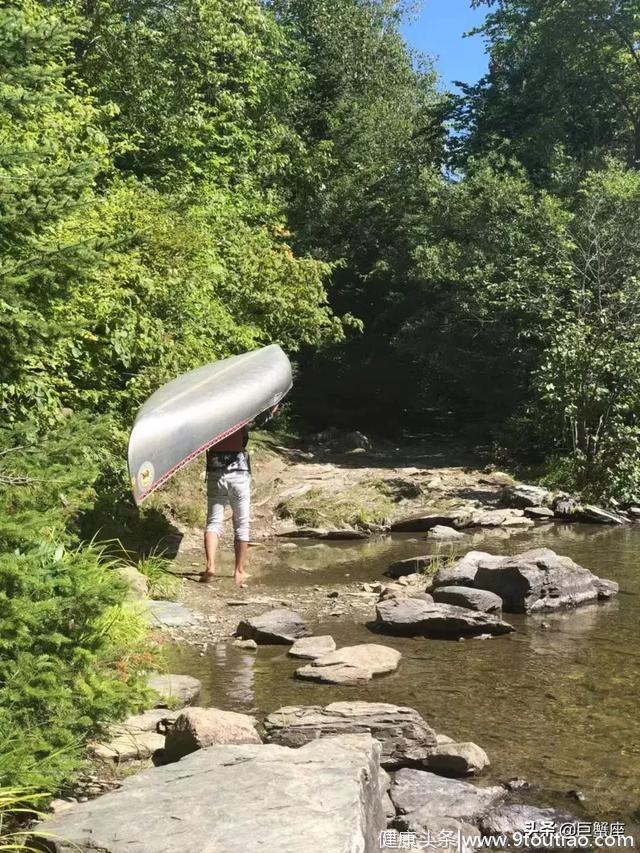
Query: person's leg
{"x": 217, "y": 499}
{"x": 240, "y": 500}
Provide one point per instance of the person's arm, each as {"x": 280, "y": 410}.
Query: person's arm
{"x": 263, "y": 418}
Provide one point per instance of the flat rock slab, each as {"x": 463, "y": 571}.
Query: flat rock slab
{"x": 237, "y": 799}
{"x": 312, "y": 647}
{"x": 169, "y": 614}
{"x": 422, "y": 523}
{"x": 352, "y": 664}
{"x": 199, "y": 728}
{"x": 418, "y": 617}
{"x": 464, "y": 596}
{"x": 426, "y": 795}
{"x": 275, "y": 627}
{"x": 404, "y": 735}
{"x": 128, "y": 746}
{"x": 174, "y": 691}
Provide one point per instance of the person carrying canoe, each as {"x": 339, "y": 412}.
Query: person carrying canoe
{"x": 229, "y": 484}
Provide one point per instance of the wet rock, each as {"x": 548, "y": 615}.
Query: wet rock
{"x": 241, "y": 798}
{"x": 276, "y": 627}
{"x": 372, "y": 587}
{"x": 441, "y": 532}
{"x": 537, "y": 581}
{"x": 425, "y": 795}
{"x": 135, "y": 580}
{"x": 412, "y": 565}
{"x": 508, "y": 820}
{"x": 417, "y": 617}
{"x": 463, "y": 571}
{"x": 539, "y": 513}
{"x": 433, "y": 832}
{"x": 521, "y": 496}
{"x": 355, "y": 441}
{"x": 393, "y": 590}
{"x": 312, "y": 647}
{"x": 597, "y": 515}
{"x": 404, "y": 735}
{"x": 565, "y": 507}
{"x": 345, "y": 534}
{"x": 352, "y": 664}
{"x": 175, "y": 691}
{"x": 457, "y": 759}
{"x": 198, "y": 728}
{"x": 251, "y": 645}
{"x": 169, "y": 614}
{"x": 465, "y": 596}
{"x": 607, "y": 589}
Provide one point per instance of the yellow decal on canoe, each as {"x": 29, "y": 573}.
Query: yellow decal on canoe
{"x": 145, "y": 476}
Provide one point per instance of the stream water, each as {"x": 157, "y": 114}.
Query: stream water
{"x": 555, "y": 703}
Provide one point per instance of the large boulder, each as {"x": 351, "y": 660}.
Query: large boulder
{"x": 241, "y": 798}
{"x": 418, "y": 792}
{"x": 311, "y": 648}
{"x": 457, "y": 759}
{"x": 352, "y": 664}
{"x": 136, "y": 582}
{"x": 536, "y": 581}
{"x": 510, "y": 819}
{"x": 443, "y": 533}
{"x": 405, "y": 737}
{"x": 465, "y": 596}
{"x": 463, "y": 571}
{"x": 415, "y": 617}
{"x": 175, "y": 691}
{"x": 522, "y": 496}
{"x": 276, "y": 627}
{"x": 198, "y": 728}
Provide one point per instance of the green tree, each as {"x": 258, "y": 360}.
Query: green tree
{"x": 588, "y": 381}
{"x": 50, "y": 150}
{"x": 564, "y": 80}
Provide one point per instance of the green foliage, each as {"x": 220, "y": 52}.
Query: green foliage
{"x": 16, "y": 806}
{"x": 588, "y": 380}
{"x": 161, "y": 583}
{"x": 564, "y": 81}
{"x": 67, "y": 667}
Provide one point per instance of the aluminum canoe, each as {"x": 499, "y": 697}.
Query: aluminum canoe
{"x": 189, "y": 414}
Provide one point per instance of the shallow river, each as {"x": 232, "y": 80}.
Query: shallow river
{"x": 558, "y": 706}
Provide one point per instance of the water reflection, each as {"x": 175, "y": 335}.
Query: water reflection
{"x": 556, "y": 702}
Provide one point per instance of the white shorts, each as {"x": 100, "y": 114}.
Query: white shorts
{"x": 231, "y": 488}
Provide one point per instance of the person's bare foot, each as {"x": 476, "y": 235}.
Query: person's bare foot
{"x": 240, "y": 578}
{"x": 206, "y": 577}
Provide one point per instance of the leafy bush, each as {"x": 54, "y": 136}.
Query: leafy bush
{"x": 70, "y": 662}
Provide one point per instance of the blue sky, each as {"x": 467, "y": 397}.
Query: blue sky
{"x": 437, "y": 30}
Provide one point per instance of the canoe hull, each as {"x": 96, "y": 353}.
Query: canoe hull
{"x": 198, "y": 409}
